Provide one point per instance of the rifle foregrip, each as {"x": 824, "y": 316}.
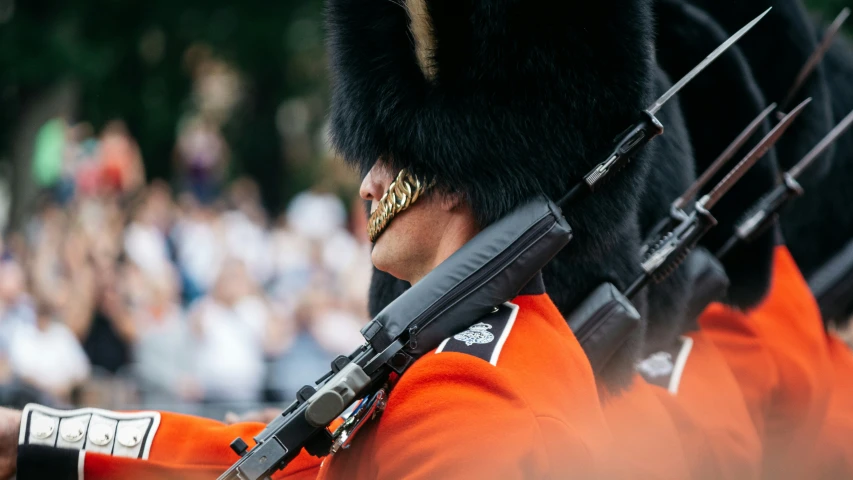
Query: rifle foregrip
{"x": 762, "y": 215}
{"x": 668, "y": 253}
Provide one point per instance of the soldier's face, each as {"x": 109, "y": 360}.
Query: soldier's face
{"x": 415, "y": 240}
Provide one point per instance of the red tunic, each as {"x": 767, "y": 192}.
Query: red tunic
{"x": 711, "y": 417}
{"x": 645, "y": 442}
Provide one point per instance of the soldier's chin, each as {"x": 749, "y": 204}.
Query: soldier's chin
{"x": 386, "y": 254}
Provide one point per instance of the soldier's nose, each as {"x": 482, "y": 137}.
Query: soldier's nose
{"x": 372, "y": 186}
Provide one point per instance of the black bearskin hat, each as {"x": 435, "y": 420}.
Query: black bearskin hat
{"x": 717, "y": 106}
{"x": 498, "y": 101}
{"x": 495, "y": 100}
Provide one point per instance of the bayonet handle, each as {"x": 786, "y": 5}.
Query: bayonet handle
{"x": 763, "y": 214}
{"x": 624, "y": 147}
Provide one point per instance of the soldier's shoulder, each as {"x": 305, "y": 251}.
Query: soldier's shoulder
{"x": 664, "y": 368}
{"x": 485, "y": 339}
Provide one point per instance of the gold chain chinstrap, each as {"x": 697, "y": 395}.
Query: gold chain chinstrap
{"x": 401, "y": 194}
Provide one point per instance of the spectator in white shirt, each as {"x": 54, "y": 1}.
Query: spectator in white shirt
{"x": 230, "y": 327}
{"x": 47, "y": 355}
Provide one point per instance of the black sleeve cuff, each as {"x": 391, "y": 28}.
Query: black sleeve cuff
{"x": 38, "y": 462}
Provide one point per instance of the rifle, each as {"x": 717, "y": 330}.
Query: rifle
{"x": 667, "y": 252}
{"x": 487, "y": 271}
{"x": 604, "y": 320}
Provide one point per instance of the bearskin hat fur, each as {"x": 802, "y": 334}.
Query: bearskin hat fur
{"x": 498, "y": 101}
{"x": 776, "y": 50}
{"x": 717, "y": 106}
{"x": 494, "y": 100}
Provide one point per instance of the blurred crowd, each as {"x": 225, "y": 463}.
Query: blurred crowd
{"x": 115, "y": 291}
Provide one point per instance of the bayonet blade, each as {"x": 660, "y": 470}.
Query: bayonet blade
{"x": 751, "y": 158}
{"x": 724, "y": 157}
{"x": 704, "y": 63}
{"x": 816, "y": 56}
{"x": 821, "y": 146}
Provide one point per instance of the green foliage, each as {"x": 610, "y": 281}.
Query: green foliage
{"x": 128, "y": 59}
{"x": 826, "y": 10}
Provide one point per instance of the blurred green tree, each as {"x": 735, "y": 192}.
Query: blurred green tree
{"x": 828, "y": 9}
{"x": 127, "y": 58}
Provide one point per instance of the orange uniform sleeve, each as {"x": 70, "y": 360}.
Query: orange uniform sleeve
{"x": 169, "y": 446}
{"x": 189, "y": 447}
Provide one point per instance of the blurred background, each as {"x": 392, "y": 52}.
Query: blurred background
{"x": 176, "y": 233}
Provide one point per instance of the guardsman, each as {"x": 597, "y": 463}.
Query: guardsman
{"x": 779, "y": 356}
{"x": 692, "y": 376}
{"x": 596, "y": 256}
